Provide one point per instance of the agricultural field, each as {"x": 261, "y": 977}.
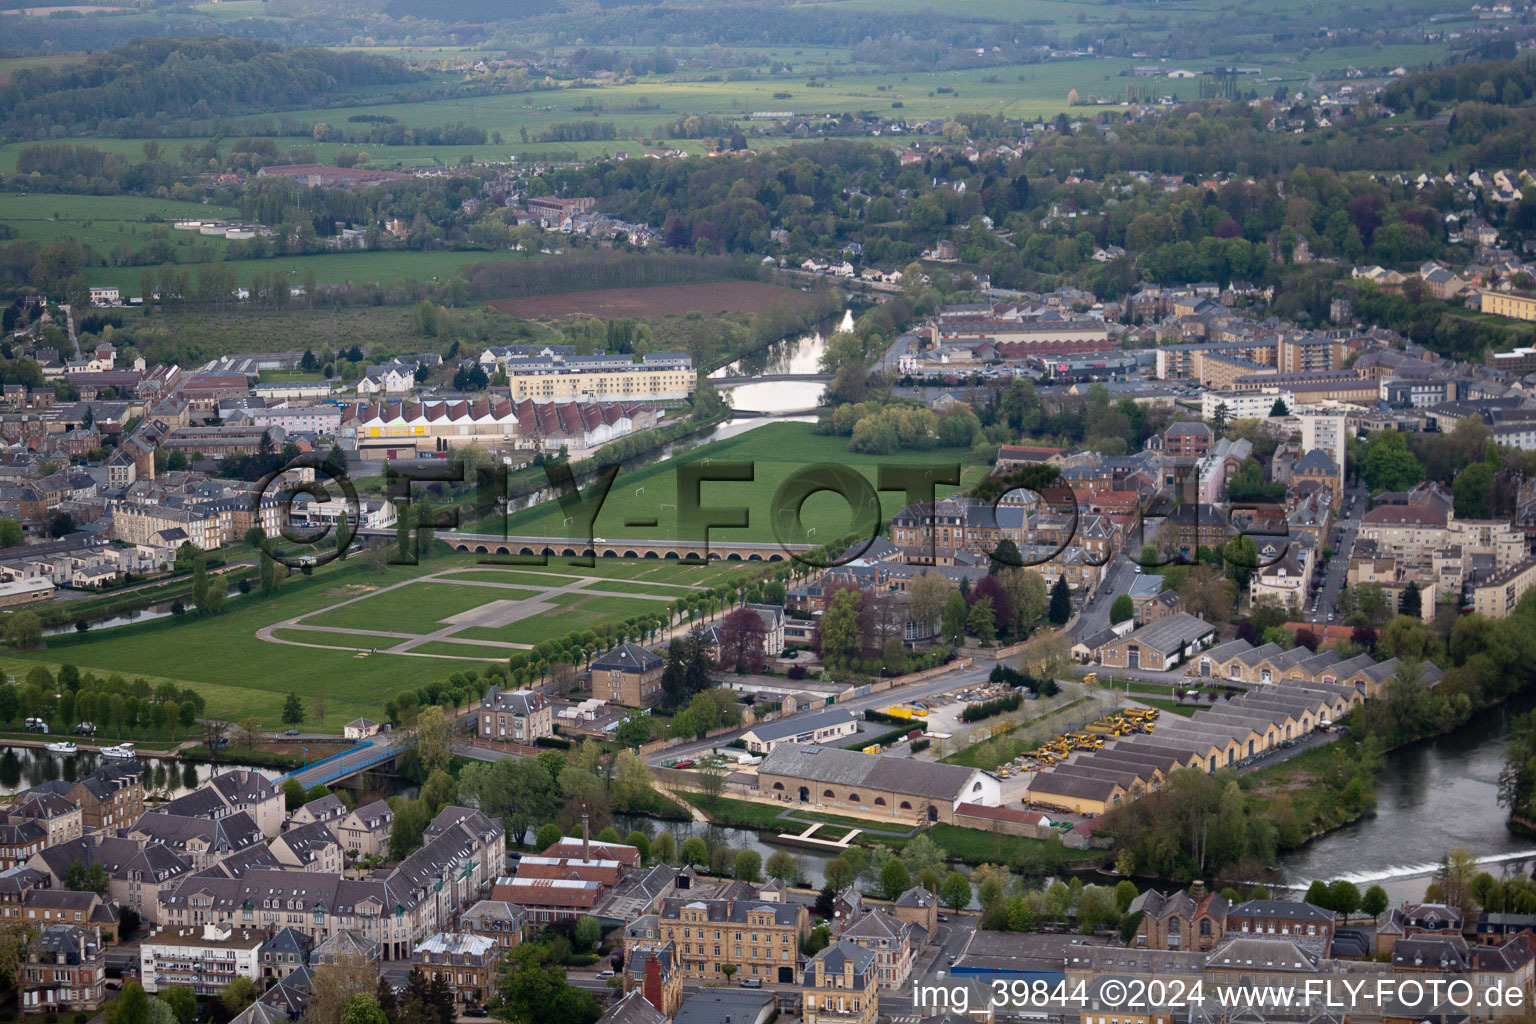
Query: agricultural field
{"x": 656, "y": 300}
{"x": 775, "y": 451}
{"x": 358, "y": 268}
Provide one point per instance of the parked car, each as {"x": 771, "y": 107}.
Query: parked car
{"x": 751, "y": 982}
{"x": 291, "y": 732}
{"x": 608, "y": 973}
{"x": 476, "y": 1011}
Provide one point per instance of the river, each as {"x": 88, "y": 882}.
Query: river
{"x": 24, "y": 767}
{"x": 1431, "y": 796}
{"x": 798, "y": 355}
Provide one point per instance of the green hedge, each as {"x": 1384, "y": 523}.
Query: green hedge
{"x": 894, "y": 736}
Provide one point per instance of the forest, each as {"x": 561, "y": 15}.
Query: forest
{"x": 149, "y": 79}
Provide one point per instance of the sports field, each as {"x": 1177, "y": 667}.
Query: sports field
{"x": 357, "y": 635}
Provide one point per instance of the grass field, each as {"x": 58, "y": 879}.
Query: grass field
{"x": 241, "y": 675}
{"x": 106, "y": 222}
{"x": 775, "y": 452}
{"x": 418, "y": 608}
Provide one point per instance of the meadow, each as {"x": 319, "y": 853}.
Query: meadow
{"x": 105, "y": 222}
{"x": 775, "y": 451}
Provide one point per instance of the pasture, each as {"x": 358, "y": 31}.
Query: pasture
{"x": 106, "y": 222}
{"x": 357, "y": 268}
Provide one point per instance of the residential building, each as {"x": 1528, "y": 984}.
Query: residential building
{"x": 890, "y": 939}
{"x": 760, "y": 937}
{"x": 284, "y": 953}
{"x": 467, "y": 963}
{"x": 65, "y": 970}
{"x": 654, "y": 971}
{"x": 516, "y": 716}
{"x": 365, "y": 831}
{"x": 658, "y": 377}
{"x": 1497, "y": 595}
{"x": 1517, "y": 305}
{"x": 204, "y": 958}
{"x": 497, "y": 920}
{"x": 311, "y": 847}
{"x": 629, "y": 675}
{"x": 841, "y": 986}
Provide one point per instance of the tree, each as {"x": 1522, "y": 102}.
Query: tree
{"x": 535, "y": 991}
{"x": 131, "y": 1007}
{"x": 1125, "y": 894}
{"x": 895, "y": 879}
{"x": 783, "y": 866}
{"x": 431, "y": 740}
{"x": 1375, "y": 901}
{"x": 926, "y": 597}
{"x": 182, "y": 1001}
{"x": 83, "y": 877}
{"x": 1061, "y": 602}
{"x": 838, "y": 873}
{"x": 1344, "y": 897}
{"x": 547, "y": 836}
{"x": 293, "y": 709}
{"x": 826, "y": 902}
{"x": 238, "y": 994}
{"x": 955, "y": 891}
{"x": 268, "y": 573}
{"x": 1411, "y": 602}
{"x": 982, "y": 620}
{"x": 954, "y": 620}
{"x": 363, "y": 1008}
{"x": 1240, "y": 560}
{"x": 1453, "y": 881}
{"x": 248, "y": 731}
{"x": 1389, "y": 464}
{"x": 11, "y": 534}
{"x": 1122, "y": 609}
{"x": 634, "y": 730}
{"x": 24, "y": 631}
{"x": 694, "y": 851}
{"x": 1279, "y": 409}
{"x": 749, "y": 866}
{"x": 587, "y": 932}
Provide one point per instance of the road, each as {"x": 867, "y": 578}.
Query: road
{"x": 346, "y": 762}
{"x": 939, "y": 684}
{"x": 1118, "y": 577}
{"x": 1334, "y": 574}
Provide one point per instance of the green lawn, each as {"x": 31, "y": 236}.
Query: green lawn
{"x": 418, "y": 608}
{"x": 578, "y": 612}
{"x": 240, "y": 675}
{"x": 659, "y": 589}
{"x": 774, "y": 454}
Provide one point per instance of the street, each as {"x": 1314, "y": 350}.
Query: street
{"x": 1336, "y": 571}
{"x": 1092, "y": 618}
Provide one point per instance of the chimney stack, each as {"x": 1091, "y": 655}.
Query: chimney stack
{"x": 586, "y": 841}
{"x": 1197, "y": 889}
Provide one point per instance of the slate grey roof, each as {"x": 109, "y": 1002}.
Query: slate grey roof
{"x": 627, "y": 658}
{"x": 851, "y": 768}
{"x": 794, "y": 725}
